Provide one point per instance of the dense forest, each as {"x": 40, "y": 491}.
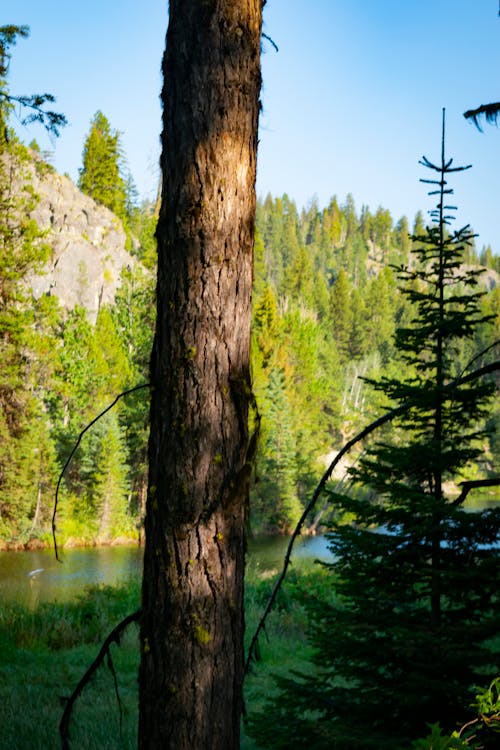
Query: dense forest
{"x": 326, "y": 306}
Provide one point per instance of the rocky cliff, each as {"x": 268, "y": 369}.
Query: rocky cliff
{"x": 87, "y": 241}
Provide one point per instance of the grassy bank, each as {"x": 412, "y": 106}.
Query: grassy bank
{"x": 44, "y": 652}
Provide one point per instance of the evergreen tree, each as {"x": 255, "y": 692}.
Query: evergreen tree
{"x": 101, "y": 174}
{"x": 299, "y": 277}
{"x": 380, "y": 317}
{"x": 381, "y": 231}
{"x": 133, "y": 316}
{"x": 279, "y": 483}
{"x": 416, "y": 575}
{"x": 259, "y": 265}
{"x": 109, "y": 487}
{"x": 402, "y": 241}
{"x": 341, "y": 314}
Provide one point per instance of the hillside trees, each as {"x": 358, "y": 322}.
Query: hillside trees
{"x": 415, "y": 574}
{"x": 192, "y": 623}
{"x": 57, "y": 368}
{"x": 324, "y": 308}
{"x": 26, "y": 464}
{"x": 319, "y": 323}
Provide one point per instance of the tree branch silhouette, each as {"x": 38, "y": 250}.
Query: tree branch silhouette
{"x": 490, "y": 113}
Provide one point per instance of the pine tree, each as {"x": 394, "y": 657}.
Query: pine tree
{"x": 133, "y": 316}
{"x": 191, "y": 672}
{"x": 416, "y": 575}
{"x": 101, "y": 174}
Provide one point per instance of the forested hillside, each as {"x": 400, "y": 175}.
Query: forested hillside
{"x": 326, "y": 306}
{"x": 76, "y": 321}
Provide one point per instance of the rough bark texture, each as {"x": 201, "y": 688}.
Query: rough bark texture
{"x": 192, "y": 628}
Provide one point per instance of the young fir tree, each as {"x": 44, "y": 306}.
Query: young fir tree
{"x": 416, "y": 575}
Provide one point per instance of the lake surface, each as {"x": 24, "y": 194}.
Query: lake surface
{"x": 36, "y": 576}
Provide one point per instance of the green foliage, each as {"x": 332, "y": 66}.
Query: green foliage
{"x": 26, "y": 462}
{"x": 487, "y": 705}
{"x": 325, "y": 309}
{"x": 57, "y": 375}
{"x": 326, "y": 306}
{"x": 280, "y": 478}
{"x": 477, "y": 734}
{"x": 324, "y": 313}
{"x": 342, "y": 314}
{"x": 436, "y": 740}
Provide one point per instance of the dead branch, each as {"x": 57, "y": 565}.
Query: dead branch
{"x": 113, "y": 637}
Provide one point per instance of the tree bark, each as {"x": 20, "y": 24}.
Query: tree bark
{"x": 191, "y": 671}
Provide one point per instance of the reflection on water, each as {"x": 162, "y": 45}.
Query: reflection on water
{"x": 35, "y": 576}
{"x": 29, "y": 577}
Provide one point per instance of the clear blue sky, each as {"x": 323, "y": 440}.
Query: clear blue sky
{"x": 351, "y": 101}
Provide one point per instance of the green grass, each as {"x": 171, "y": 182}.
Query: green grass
{"x": 44, "y": 653}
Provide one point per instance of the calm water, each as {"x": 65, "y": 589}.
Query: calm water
{"x": 32, "y": 577}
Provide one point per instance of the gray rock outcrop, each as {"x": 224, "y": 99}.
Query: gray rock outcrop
{"x": 87, "y": 244}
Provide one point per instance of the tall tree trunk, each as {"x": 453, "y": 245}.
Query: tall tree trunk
{"x": 192, "y": 627}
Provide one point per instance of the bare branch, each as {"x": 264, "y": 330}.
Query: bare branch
{"x": 474, "y": 484}
{"x": 271, "y": 41}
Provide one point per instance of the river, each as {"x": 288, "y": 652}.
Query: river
{"x": 36, "y": 576}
